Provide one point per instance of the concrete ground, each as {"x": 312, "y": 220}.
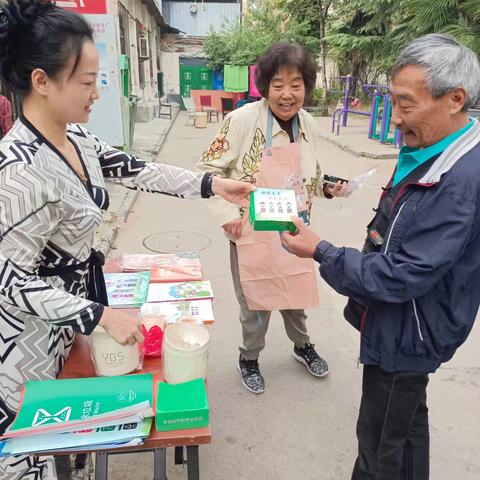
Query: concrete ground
{"x": 301, "y": 427}
{"x": 148, "y": 140}
{"x": 353, "y": 138}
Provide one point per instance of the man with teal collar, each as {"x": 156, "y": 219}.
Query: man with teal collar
{"x": 410, "y": 158}
{"x": 413, "y": 289}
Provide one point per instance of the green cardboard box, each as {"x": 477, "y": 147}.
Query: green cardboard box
{"x": 271, "y": 209}
{"x": 181, "y": 406}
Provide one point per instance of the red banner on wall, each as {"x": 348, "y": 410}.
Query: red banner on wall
{"x": 84, "y": 6}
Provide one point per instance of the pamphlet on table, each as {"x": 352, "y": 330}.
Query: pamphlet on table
{"x": 181, "y": 291}
{"x": 127, "y": 290}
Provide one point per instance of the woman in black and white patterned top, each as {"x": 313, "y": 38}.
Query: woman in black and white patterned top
{"x": 52, "y": 198}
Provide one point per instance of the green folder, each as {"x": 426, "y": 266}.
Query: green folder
{"x": 181, "y": 406}
{"x": 60, "y": 405}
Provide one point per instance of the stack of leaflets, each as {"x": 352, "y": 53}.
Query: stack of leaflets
{"x": 180, "y": 291}
{"x": 127, "y": 290}
{"x": 165, "y": 267}
{"x": 81, "y": 414}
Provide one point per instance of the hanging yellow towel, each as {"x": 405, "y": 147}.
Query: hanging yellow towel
{"x": 235, "y": 78}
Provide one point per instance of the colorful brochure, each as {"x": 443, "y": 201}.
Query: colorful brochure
{"x": 175, "y": 292}
{"x": 127, "y": 290}
{"x": 201, "y": 311}
{"x": 109, "y": 435}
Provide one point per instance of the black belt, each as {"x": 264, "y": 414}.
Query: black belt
{"x": 96, "y": 288}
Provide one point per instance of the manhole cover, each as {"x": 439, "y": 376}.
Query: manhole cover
{"x": 178, "y": 241}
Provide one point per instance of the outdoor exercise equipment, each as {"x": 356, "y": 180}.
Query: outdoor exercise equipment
{"x": 347, "y": 85}
{"x": 380, "y": 111}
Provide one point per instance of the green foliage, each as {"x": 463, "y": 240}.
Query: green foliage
{"x": 459, "y": 18}
{"x": 360, "y": 37}
{"x": 317, "y": 97}
{"x": 266, "y": 22}
{"x": 365, "y": 36}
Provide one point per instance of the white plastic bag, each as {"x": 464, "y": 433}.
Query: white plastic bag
{"x": 358, "y": 182}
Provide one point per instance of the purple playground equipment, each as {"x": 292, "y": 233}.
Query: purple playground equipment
{"x": 347, "y": 84}
{"x": 380, "y": 111}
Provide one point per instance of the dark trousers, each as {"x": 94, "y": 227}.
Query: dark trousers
{"x": 392, "y": 427}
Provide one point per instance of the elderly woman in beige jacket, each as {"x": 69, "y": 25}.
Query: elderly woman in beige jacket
{"x": 271, "y": 143}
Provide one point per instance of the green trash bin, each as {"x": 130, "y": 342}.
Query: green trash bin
{"x": 125, "y": 74}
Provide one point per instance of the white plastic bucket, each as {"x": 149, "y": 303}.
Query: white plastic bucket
{"x": 185, "y": 352}
{"x": 109, "y": 357}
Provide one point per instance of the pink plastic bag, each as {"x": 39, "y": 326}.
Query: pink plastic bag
{"x": 165, "y": 267}
{"x": 152, "y": 347}
{"x": 152, "y": 324}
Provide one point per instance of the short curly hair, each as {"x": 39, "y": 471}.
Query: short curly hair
{"x": 285, "y": 54}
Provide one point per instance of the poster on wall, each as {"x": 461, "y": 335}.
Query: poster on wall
{"x": 84, "y": 6}
{"x": 103, "y": 76}
{"x": 106, "y": 120}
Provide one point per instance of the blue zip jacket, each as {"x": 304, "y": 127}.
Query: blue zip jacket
{"x": 422, "y": 288}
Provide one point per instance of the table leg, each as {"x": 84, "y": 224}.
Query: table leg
{"x": 101, "y": 466}
{"x": 160, "y": 464}
{"x": 63, "y": 467}
{"x": 193, "y": 467}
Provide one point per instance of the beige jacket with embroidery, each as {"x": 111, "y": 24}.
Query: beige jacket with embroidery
{"x": 236, "y": 152}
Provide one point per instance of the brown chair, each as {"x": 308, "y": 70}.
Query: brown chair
{"x": 227, "y": 105}
{"x": 206, "y": 105}
{"x": 166, "y": 106}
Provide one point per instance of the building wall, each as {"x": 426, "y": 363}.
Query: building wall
{"x": 171, "y": 72}
{"x": 172, "y": 48}
{"x": 144, "y": 72}
{"x": 208, "y": 15}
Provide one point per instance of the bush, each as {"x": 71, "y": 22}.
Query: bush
{"x": 334, "y": 97}
{"x": 316, "y": 98}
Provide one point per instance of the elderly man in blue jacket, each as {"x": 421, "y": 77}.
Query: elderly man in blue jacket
{"x": 414, "y": 288}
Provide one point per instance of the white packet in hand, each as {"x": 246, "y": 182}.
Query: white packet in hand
{"x": 358, "y": 182}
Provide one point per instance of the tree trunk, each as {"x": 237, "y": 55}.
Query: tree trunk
{"x": 323, "y": 6}
{"x": 323, "y": 59}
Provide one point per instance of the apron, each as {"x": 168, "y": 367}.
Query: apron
{"x": 272, "y": 278}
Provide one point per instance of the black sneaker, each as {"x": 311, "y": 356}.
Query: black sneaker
{"x": 314, "y": 363}
{"x": 251, "y": 377}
